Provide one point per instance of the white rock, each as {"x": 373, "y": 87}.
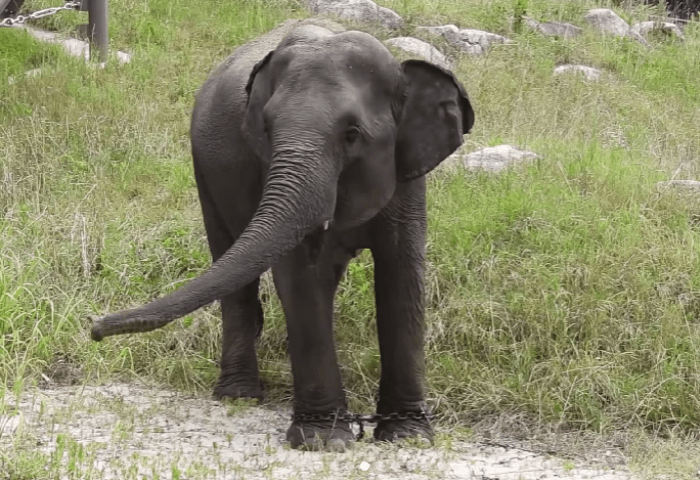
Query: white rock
{"x": 607, "y": 21}
{"x": 421, "y": 49}
{"x": 123, "y": 57}
{"x": 554, "y": 29}
{"x": 590, "y": 73}
{"x": 643, "y": 28}
{"x": 474, "y": 42}
{"x": 361, "y": 11}
{"x": 491, "y": 159}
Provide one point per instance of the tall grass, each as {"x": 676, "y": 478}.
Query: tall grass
{"x": 567, "y": 291}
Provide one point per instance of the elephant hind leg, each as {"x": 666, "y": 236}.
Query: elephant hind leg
{"x": 242, "y": 313}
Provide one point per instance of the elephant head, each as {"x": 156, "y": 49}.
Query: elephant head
{"x": 336, "y": 122}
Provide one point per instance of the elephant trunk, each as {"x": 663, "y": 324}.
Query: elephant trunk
{"x": 299, "y": 197}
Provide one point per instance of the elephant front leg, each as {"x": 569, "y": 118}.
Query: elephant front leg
{"x": 241, "y": 311}
{"x": 306, "y": 282}
{"x": 242, "y": 317}
{"x": 399, "y": 271}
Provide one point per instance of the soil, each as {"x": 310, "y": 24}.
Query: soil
{"x": 130, "y": 431}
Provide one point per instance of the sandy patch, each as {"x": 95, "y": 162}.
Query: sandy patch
{"x": 127, "y": 431}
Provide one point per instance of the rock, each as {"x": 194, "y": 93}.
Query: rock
{"x": 474, "y": 42}
{"x": 491, "y": 159}
{"x": 687, "y": 185}
{"x": 63, "y": 372}
{"x": 123, "y": 57}
{"x": 643, "y": 28}
{"x": 554, "y": 29}
{"x": 71, "y": 46}
{"x": 389, "y": 18}
{"x": 29, "y": 73}
{"x": 607, "y": 21}
{"x": 421, "y": 49}
{"x": 590, "y": 73}
{"x": 638, "y": 37}
{"x": 362, "y": 11}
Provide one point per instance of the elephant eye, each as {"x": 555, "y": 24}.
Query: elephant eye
{"x": 352, "y": 134}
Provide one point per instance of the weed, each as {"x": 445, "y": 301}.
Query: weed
{"x": 238, "y": 406}
{"x": 519, "y": 12}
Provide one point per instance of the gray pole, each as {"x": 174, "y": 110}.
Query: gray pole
{"x": 98, "y": 29}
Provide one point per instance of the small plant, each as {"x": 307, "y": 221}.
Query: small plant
{"x": 417, "y": 442}
{"x": 236, "y": 406}
{"x": 519, "y": 12}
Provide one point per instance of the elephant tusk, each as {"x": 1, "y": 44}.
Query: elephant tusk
{"x": 326, "y": 224}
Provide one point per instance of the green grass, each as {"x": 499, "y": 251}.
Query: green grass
{"x": 19, "y": 52}
{"x": 567, "y": 291}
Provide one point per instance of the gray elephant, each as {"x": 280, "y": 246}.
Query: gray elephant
{"x": 305, "y": 154}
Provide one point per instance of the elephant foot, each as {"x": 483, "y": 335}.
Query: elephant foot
{"x": 224, "y": 389}
{"x": 396, "y": 430}
{"x": 323, "y": 435}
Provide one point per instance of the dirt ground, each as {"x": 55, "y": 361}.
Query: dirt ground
{"x": 128, "y": 431}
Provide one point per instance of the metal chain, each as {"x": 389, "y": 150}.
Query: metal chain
{"x": 46, "y": 12}
{"x": 361, "y": 419}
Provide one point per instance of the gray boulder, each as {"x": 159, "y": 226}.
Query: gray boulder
{"x": 643, "y": 28}
{"x": 389, "y": 18}
{"x": 590, "y": 73}
{"x": 474, "y": 42}
{"x": 490, "y": 159}
{"x": 361, "y": 11}
{"x": 608, "y": 22}
{"x": 554, "y": 29}
{"x": 420, "y": 48}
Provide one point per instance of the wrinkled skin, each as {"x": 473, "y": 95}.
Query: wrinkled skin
{"x": 305, "y": 154}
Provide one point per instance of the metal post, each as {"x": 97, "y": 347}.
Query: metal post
{"x": 98, "y": 30}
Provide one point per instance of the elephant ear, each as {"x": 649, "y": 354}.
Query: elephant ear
{"x": 258, "y": 90}
{"x": 253, "y": 73}
{"x": 436, "y": 115}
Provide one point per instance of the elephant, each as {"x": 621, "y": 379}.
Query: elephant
{"x": 309, "y": 145}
